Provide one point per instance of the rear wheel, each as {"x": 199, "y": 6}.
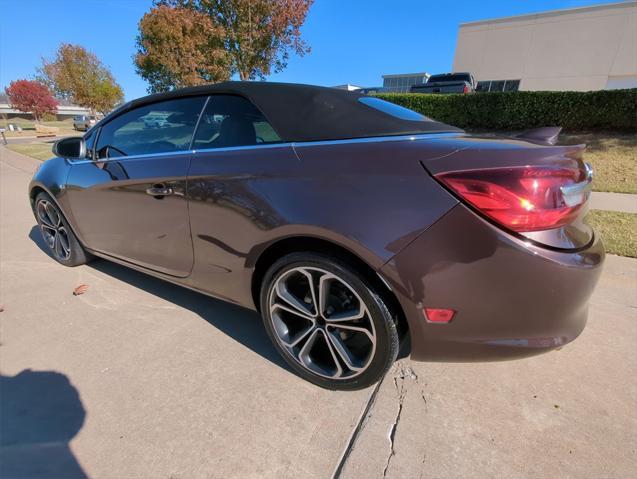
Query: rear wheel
{"x": 327, "y": 322}
{"x": 57, "y": 234}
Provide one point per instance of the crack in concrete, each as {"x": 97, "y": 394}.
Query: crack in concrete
{"x": 402, "y": 372}
{"x": 392, "y": 430}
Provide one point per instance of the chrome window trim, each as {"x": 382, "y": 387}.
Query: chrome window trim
{"x": 194, "y": 132}
{"x": 294, "y": 144}
{"x": 378, "y": 139}
{"x": 137, "y": 157}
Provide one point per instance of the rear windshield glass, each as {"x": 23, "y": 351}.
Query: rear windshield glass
{"x": 450, "y": 77}
{"x": 393, "y": 109}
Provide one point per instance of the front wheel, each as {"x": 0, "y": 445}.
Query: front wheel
{"x": 57, "y": 234}
{"x": 327, "y": 322}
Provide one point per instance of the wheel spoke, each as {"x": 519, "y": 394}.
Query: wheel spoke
{"x": 290, "y": 330}
{"x": 339, "y": 369}
{"x": 56, "y": 246}
{"x": 347, "y": 316}
{"x": 303, "y": 355}
{"x": 64, "y": 242}
{"x": 53, "y": 214}
{"x": 357, "y": 329}
{"x": 284, "y": 293}
{"x": 315, "y": 303}
{"x": 324, "y": 292}
{"x": 43, "y": 215}
{"x": 51, "y": 229}
{"x": 61, "y": 245}
{"x": 49, "y": 235}
{"x": 301, "y": 336}
{"x": 297, "y": 312}
{"x": 342, "y": 350}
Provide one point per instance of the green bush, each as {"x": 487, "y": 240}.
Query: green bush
{"x": 572, "y": 110}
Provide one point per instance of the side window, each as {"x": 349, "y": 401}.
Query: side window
{"x": 156, "y": 128}
{"x": 231, "y": 120}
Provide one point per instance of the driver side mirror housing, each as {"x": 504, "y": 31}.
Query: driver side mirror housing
{"x": 73, "y": 148}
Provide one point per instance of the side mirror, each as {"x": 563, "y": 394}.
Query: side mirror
{"x": 73, "y": 148}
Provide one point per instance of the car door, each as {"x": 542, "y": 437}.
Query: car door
{"x": 237, "y": 160}
{"x": 129, "y": 199}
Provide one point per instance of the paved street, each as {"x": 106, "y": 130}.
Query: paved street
{"x": 137, "y": 378}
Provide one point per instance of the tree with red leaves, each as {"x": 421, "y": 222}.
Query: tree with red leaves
{"x": 31, "y": 97}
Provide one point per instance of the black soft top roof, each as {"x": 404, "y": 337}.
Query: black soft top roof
{"x": 306, "y": 112}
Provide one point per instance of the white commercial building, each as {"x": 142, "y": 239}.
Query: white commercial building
{"x": 588, "y": 48}
{"x": 402, "y": 82}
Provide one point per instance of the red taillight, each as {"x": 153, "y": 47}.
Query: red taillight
{"x": 465, "y": 89}
{"x": 523, "y": 198}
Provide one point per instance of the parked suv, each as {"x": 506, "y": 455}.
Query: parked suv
{"x": 83, "y": 122}
{"x": 447, "y": 83}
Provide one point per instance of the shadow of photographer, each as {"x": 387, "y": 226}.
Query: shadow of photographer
{"x": 40, "y": 412}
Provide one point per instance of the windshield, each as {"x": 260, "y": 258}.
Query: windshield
{"x": 450, "y": 77}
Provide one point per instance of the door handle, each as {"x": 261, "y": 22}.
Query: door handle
{"x": 159, "y": 191}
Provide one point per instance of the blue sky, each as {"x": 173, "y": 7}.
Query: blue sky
{"x": 353, "y": 41}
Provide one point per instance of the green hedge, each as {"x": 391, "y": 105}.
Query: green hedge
{"x": 574, "y": 111}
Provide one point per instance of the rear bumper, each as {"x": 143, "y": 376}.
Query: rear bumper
{"x": 512, "y": 298}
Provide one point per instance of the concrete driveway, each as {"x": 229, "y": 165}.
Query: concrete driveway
{"x": 141, "y": 379}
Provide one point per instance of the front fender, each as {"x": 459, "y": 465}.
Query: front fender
{"x": 51, "y": 177}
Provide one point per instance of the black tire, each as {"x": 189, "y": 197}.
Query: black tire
{"x": 345, "y": 279}
{"x": 57, "y": 234}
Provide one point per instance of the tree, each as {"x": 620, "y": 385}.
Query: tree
{"x": 78, "y": 75}
{"x": 31, "y": 97}
{"x": 179, "y": 47}
{"x": 257, "y": 35}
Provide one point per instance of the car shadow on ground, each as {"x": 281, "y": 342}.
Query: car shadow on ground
{"x": 242, "y": 325}
{"x": 40, "y": 412}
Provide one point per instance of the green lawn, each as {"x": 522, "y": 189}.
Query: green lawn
{"x": 39, "y": 151}
{"x": 617, "y": 230}
{"x": 28, "y": 127}
{"x": 614, "y": 159}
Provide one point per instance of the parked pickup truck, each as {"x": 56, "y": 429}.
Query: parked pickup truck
{"x": 447, "y": 83}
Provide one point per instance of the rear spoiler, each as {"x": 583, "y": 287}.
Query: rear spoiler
{"x": 547, "y": 134}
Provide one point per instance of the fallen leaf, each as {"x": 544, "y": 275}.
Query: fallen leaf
{"x": 81, "y": 289}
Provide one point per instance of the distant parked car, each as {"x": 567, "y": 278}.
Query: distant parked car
{"x": 84, "y": 122}
{"x": 447, "y": 83}
{"x": 155, "y": 121}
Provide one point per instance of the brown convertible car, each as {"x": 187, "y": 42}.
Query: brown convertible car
{"x": 356, "y": 227}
